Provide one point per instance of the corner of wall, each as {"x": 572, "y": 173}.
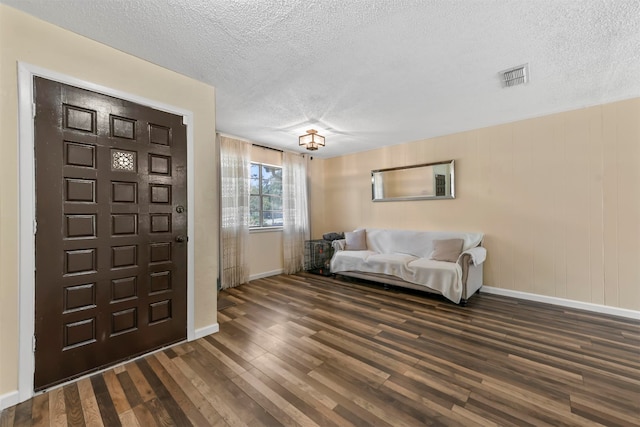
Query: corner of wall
{"x": 207, "y": 330}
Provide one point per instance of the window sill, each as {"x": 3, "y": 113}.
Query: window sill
{"x": 265, "y": 229}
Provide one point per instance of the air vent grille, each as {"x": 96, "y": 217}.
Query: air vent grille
{"x": 515, "y": 76}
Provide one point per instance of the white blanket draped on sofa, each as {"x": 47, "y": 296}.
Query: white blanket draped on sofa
{"x": 406, "y": 255}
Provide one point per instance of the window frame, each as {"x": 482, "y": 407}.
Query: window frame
{"x": 261, "y": 195}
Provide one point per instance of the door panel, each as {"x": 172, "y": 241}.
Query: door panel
{"x": 110, "y": 268}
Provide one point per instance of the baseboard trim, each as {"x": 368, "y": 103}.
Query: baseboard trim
{"x": 9, "y": 399}
{"x": 266, "y": 274}
{"x": 598, "y": 308}
{"x": 207, "y": 330}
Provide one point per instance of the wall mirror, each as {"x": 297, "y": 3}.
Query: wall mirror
{"x": 417, "y": 182}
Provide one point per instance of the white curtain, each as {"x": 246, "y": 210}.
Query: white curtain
{"x": 235, "y": 166}
{"x": 295, "y": 211}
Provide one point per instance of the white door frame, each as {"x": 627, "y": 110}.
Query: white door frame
{"x": 27, "y": 219}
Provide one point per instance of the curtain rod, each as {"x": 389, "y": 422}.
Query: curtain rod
{"x": 268, "y": 148}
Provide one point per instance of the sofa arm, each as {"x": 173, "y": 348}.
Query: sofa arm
{"x": 475, "y": 255}
{"x": 339, "y": 244}
{"x": 471, "y": 262}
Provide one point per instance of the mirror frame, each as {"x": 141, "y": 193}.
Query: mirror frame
{"x": 450, "y": 163}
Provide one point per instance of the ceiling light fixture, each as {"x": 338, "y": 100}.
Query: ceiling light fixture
{"x": 311, "y": 140}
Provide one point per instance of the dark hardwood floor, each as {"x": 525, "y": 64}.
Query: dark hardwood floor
{"x": 308, "y": 350}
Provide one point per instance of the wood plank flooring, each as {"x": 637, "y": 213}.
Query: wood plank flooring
{"x": 307, "y": 350}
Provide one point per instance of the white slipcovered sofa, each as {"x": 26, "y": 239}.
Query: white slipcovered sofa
{"x": 447, "y": 263}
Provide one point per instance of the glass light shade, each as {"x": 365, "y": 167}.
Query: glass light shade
{"x": 311, "y": 140}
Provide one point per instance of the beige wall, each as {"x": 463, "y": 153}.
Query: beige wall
{"x": 317, "y": 208}
{"x": 558, "y": 198}
{"x": 266, "y": 253}
{"x": 24, "y": 38}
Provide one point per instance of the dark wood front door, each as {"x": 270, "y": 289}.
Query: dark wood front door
{"x": 111, "y": 251}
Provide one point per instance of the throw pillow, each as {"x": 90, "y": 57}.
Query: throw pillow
{"x": 447, "y": 250}
{"x": 355, "y": 240}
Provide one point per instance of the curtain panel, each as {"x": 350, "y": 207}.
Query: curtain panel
{"x": 235, "y": 167}
{"x": 295, "y": 211}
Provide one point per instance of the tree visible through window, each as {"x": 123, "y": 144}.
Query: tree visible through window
{"x": 266, "y": 196}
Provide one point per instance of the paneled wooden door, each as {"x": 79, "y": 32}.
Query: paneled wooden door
{"x": 111, "y": 251}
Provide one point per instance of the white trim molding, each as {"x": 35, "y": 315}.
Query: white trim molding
{"x": 266, "y": 274}
{"x": 9, "y": 399}
{"x": 597, "y": 308}
{"x": 207, "y": 330}
{"x": 26, "y": 162}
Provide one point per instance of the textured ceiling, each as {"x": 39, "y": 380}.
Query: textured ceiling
{"x": 370, "y": 73}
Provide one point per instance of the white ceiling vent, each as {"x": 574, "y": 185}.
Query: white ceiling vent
{"x": 515, "y": 76}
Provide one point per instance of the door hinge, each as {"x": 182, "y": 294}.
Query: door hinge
{"x": 35, "y": 226}
{"x": 33, "y": 109}
{"x": 33, "y": 344}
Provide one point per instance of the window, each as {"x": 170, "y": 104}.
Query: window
{"x": 266, "y": 196}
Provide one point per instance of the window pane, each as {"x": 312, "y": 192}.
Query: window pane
{"x": 254, "y": 219}
{"x": 271, "y": 218}
{"x": 254, "y": 204}
{"x": 266, "y": 219}
{"x": 272, "y": 186}
{"x": 272, "y": 203}
{"x": 277, "y": 218}
{"x": 265, "y": 207}
{"x": 255, "y": 171}
{"x": 268, "y": 171}
{"x": 255, "y": 186}
{"x": 254, "y": 211}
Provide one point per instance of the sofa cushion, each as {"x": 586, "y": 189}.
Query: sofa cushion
{"x": 392, "y": 264}
{"x": 356, "y": 240}
{"x": 443, "y": 276}
{"x": 350, "y": 260}
{"x": 447, "y": 250}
